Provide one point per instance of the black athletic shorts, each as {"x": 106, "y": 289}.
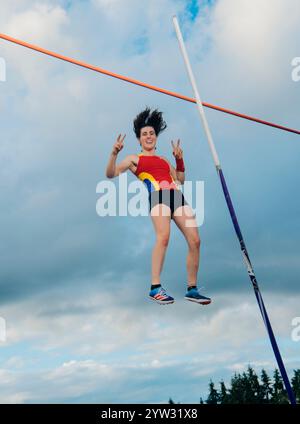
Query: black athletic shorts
{"x": 172, "y": 198}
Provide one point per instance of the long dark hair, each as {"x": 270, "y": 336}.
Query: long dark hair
{"x": 149, "y": 119}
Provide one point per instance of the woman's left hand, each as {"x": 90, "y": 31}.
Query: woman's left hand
{"x": 177, "y": 151}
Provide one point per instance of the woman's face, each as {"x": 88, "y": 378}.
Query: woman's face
{"x": 148, "y": 138}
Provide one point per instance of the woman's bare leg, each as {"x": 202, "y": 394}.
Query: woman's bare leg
{"x": 186, "y": 222}
{"x": 161, "y": 218}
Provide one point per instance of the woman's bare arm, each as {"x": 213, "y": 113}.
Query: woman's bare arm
{"x": 112, "y": 169}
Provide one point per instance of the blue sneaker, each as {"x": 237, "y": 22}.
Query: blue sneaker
{"x": 160, "y": 296}
{"x": 193, "y": 295}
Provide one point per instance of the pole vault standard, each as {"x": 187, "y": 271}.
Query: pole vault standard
{"x": 233, "y": 215}
{"x": 143, "y": 84}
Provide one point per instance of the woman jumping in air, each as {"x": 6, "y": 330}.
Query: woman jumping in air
{"x": 166, "y": 200}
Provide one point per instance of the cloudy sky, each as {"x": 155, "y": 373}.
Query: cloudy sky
{"x": 74, "y": 285}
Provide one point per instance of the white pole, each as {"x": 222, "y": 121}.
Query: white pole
{"x": 196, "y": 93}
{"x": 234, "y": 220}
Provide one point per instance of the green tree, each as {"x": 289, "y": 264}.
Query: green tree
{"x": 254, "y": 391}
{"x": 296, "y": 384}
{"x": 279, "y": 393}
{"x": 237, "y": 388}
{"x": 224, "y": 396}
{"x": 266, "y": 388}
{"x": 246, "y": 389}
{"x": 213, "y": 396}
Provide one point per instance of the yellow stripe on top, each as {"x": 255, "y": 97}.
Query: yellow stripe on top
{"x": 150, "y": 181}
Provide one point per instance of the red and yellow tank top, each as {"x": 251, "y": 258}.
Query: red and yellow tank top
{"x": 155, "y": 173}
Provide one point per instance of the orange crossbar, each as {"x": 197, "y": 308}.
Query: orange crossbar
{"x": 143, "y": 84}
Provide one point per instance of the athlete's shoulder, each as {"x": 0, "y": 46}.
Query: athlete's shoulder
{"x": 133, "y": 157}
{"x": 164, "y": 158}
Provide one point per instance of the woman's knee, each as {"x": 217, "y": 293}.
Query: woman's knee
{"x": 163, "y": 239}
{"x": 194, "y": 242}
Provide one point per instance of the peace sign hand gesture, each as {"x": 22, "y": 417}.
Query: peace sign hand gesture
{"x": 177, "y": 151}
{"x": 118, "y": 146}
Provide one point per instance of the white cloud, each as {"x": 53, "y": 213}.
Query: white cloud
{"x": 250, "y": 44}
{"x": 98, "y": 324}
{"x": 42, "y": 22}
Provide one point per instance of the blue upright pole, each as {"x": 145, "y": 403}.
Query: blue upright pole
{"x": 234, "y": 218}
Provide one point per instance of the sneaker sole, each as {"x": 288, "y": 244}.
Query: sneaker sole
{"x": 161, "y": 302}
{"x": 200, "y": 302}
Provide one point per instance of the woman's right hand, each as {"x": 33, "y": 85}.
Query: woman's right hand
{"x": 118, "y": 146}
